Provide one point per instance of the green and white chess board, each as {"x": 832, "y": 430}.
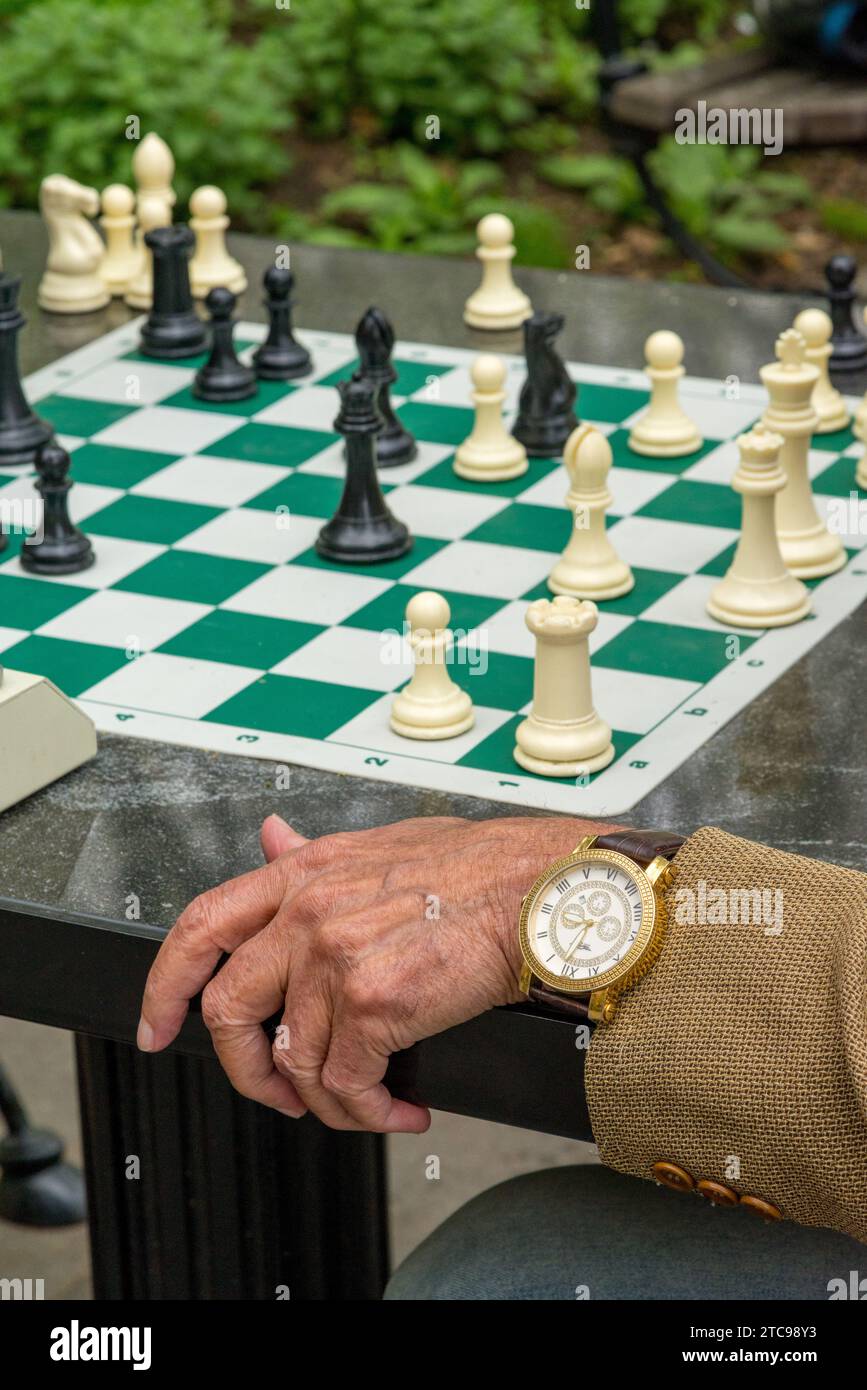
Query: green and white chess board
{"x": 208, "y": 618}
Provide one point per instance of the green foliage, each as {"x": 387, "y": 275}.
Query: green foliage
{"x": 845, "y": 218}
{"x": 611, "y": 183}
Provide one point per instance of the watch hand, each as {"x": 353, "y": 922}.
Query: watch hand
{"x": 579, "y": 939}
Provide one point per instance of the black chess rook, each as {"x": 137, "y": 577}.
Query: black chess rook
{"x": 374, "y": 338}
{"x": 61, "y": 548}
{"x": 281, "y": 357}
{"x": 22, "y": 432}
{"x": 173, "y": 328}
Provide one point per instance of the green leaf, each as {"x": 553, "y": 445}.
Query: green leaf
{"x": 845, "y": 217}
{"x": 750, "y": 235}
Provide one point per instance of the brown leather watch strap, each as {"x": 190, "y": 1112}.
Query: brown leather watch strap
{"x": 572, "y": 1006}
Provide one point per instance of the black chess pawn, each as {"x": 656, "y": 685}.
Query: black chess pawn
{"x": 62, "y": 548}
{"x": 374, "y": 337}
{"x": 173, "y": 328}
{"x": 223, "y": 377}
{"x": 22, "y": 432}
{"x": 847, "y": 341}
{"x": 362, "y": 531}
{"x": 546, "y": 415}
{"x": 281, "y": 357}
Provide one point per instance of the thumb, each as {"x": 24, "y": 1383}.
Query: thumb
{"x": 276, "y": 838}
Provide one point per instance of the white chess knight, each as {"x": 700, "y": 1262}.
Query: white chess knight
{"x": 211, "y": 264}
{"x": 562, "y": 736}
{"x": 815, "y": 327}
{"x": 71, "y": 283}
{"x": 589, "y": 566}
{"x": 860, "y": 429}
{"x": 808, "y": 548}
{"x": 431, "y": 705}
{"x": 122, "y": 258}
{"x": 758, "y": 590}
{"x": 664, "y": 430}
{"x": 489, "y": 453}
{"x": 153, "y": 166}
{"x": 498, "y": 303}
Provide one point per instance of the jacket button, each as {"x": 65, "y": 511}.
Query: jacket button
{"x": 671, "y": 1176}
{"x": 716, "y": 1192}
{"x": 766, "y": 1210}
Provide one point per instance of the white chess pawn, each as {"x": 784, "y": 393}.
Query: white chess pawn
{"x": 497, "y": 303}
{"x": 860, "y": 429}
{"x": 153, "y": 166}
{"x": 589, "y": 566}
{"x": 431, "y": 705}
{"x": 489, "y": 453}
{"x": 71, "y": 283}
{"x": 562, "y": 736}
{"x": 758, "y": 590}
{"x": 815, "y": 327}
{"x": 664, "y": 430}
{"x": 211, "y": 264}
{"x": 807, "y": 546}
{"x": 122, "y": 259}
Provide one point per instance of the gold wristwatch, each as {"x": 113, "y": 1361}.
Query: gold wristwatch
{"x": 593, "y": 923}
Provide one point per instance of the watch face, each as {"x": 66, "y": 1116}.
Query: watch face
{"x": 587, "y": 921}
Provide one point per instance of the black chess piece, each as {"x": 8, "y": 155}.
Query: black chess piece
{"x": 281, "y": 357}
{"x": 63, "y": 548}
{"x": 546, "y": 417}
{"x": 223, "y": 377}
{"x": 172, "y": 328}
{"x": 22, "y": 432}
{"x": 362, "y": 531}
{"x": 374, "y": 337}
{"x": 847, "y": 341}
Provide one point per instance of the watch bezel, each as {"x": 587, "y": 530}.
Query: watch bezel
{"x": 651, "y": 919}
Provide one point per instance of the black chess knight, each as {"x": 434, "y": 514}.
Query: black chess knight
{"x": 374, "y": 337}
{"x": 546, "y": 417}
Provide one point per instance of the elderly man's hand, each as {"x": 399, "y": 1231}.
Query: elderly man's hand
{"x": 368, "y": 941}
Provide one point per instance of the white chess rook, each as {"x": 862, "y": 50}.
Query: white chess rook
{"x": 431, "y": 706}
{"x": 808, "y": 548}
{"x": 589, "y": 566}
{"x": 71, "y": 283}
{"x": 490, "y": 453}
{"x": 122, "y": 259}
{"x": 498, "y": 303}
{"x": 153, "y": 167}
{"x": 758, "y": 590}
{"x": 562, "y": 736}
{"x": 815, "y": 327}
{"x": 664, "y": 430}
{"x": 211, "y": 264}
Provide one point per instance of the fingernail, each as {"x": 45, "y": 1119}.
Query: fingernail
{"x": 293, "y": 1114}
{"x": 145, "y": 1037}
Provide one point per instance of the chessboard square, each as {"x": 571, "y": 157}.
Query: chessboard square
{"x": 21, "y": 503}
{"x": 534, "y": 528}
{"x": 188, "y": 575}
{"x": 836, "y": 442}
{"x": 115, "y": 467}
{"x": 686, "y": 606}
{"x": 649, "y": 586}
{"x": 71, "y": 415}
{"x": 110, "y": 618}
{"x": 718, "y": 417}
{"x": 244, "y": 639}
{"x": 212, "y": 481}
{"x": 475, "y": 567}
{"x": 72, "y": 666}
{"x": 494, "y": 679}
{"x": 331, "y": 463}
{"x": 441, "y": 424}
{"x": 170, "y": 431}
{"x": 507, "y": 631}
{"x": 290, "y": 705}
{"x": 176, "y": 685}
{"x": 444, "y": 475}
{"x": 683, "y": 653}
{"x": 291, "y": 592}
{"x": 149, "y": 519}
{"x": 413, "y": 376}
{"x": 702, "y": 504}
{"x": 625, "y": 458}
{"x": 455, "y": 388}
{"x": 28, "y": 603}
{"x": 371, "y": 729}
{"x": 442, "y": 513}
{"x": 612, "y": 404}
{"x": 130, "y": 384}
{"x": 838, "y": 479}
{"x": 267, "y": 392}
{"x": 268, "y": 538}
{"x": 198, "y": 359}
{"x": 720, "y": 564}
{"x": 352, "y": 656}
{"x": 9, "y": 635}
{"x": 115, "y": 559}
{"x": 716, "y": 467}
{"x": 675, "y": 546}
{"x": 304, "y": 493}
{"x": 635, "y": 701}
{"x": 388, "y": 610}
{"x": 422, "y": 548}
{"x": 313, "y": 408}
{"x": 495, "y": 754}
{"x": 278, "y": 444}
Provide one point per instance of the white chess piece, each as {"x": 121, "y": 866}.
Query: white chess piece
{"x": 122, "y": 259}
{"x": 211, "y": 264}
{"x": 860, "y": 429}
{"x": 664, "y": 430}
{"x": 431, "y": 705}
{"x": 758, "y": 590}
{"x": 497, "y": 303}
{"x": 43, "y": 735}
{"x": 153, "y": 166}
{"x": 808, "y": 548}
{"x": 71, "y": 283}
{"x": 489, "y": 453}
{"x": 589, "y": 566}
{"x": 815, "y": 327}
{"x": 562, "y": 736}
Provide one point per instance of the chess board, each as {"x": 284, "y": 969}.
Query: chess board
{"x": 208, "y": 619}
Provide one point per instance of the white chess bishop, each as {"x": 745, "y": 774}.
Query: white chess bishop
{"x": 664, "y": 430}
{"x": 815, "y": 327}
{"x": 153, "y": 167}
{"x": 489, "y": 453}
{"x": 71, "y": 283}
{"x": 122, "y": 259}
{"x": 589, "y": 566}
{"x": 211, "y": 264}
{"x": 431, "y": 705}
{"x": 562, "y": 736}
{"x": 497, "y": 304}
{"x": 758, "y": 590}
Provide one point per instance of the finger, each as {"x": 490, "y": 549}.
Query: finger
{"x": 353, "y": 1073}
{"x": 302, "y": 1043}
{"x": 277, "y": 837}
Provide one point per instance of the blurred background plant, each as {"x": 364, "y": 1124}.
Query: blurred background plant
{"x": 398, "y": 125}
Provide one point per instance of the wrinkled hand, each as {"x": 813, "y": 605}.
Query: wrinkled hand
{"x": 369, "y": 941}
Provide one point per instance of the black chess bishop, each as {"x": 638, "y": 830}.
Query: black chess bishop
{"x": 546, "y": 415}
{"x": 172, "y": 329}
{"x": 374, "y": 338}
{"x": 61, "y": 548}
{"x": 281, "y": 357}
{"x": 22, "y": 431}
{"x": 847, "y": 341}
{"x": 223, "y": 377}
